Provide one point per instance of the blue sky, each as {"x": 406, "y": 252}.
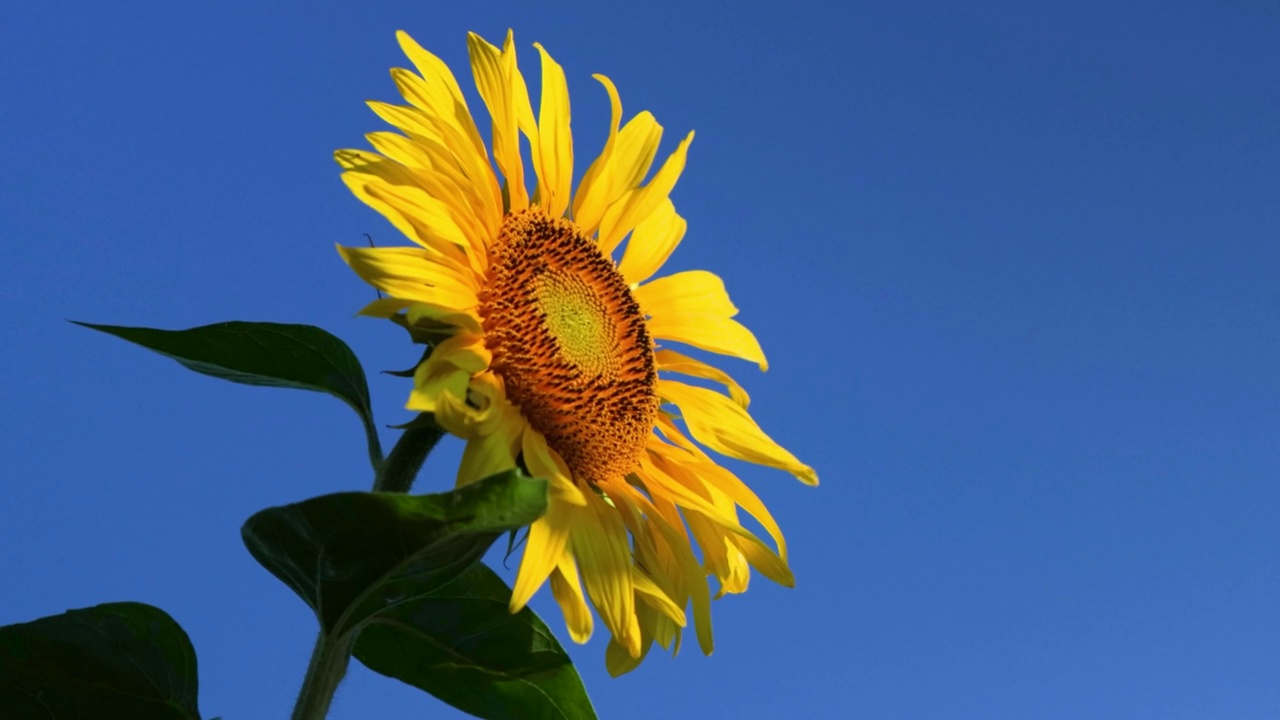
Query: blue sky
{"x": 1015, "y": 269}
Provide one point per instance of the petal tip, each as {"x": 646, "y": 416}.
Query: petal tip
{"x": 807, "y": 475}
{"x": 514, "y": 607}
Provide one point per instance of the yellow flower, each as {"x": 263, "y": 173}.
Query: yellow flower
{"x": 547, "y": 354}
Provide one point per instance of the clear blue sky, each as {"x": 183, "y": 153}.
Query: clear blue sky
{"x": 1015, "y": 270}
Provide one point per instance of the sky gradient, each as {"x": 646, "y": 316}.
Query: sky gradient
{"x": 1015, "y": 270}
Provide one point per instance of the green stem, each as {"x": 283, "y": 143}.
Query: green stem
{"x": 400, "y": 469}
{"x": 375, "y": 445}
{"x": 395, "y": 474}
{"x": 328, "y": 665}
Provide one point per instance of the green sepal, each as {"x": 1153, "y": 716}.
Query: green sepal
{"x": 419, "y": 422}
{"x": 424, "y": 332}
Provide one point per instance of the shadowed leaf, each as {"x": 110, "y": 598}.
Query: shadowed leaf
{"x": 118, "y": 660}
{"x": 352, "y": 555}
{"x": 461, "y": 644}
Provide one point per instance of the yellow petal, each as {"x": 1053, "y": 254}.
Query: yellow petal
{"x": 432, "y": 216}
{"x": 738, "y": 577}
{"x": 411, "y": 121}
{"x": 587, "y": 201}
{"x": 714, "y": 547}
{"x": 418, "y": 154}
{"x": 544, "y": 547}
{"x": 437, "y": 74}
{"x": 666, "y": 633}
{"x": 482, "y": 184}
{"x": 524, "y": 110}
{"x": 618, "y": 658}
{"x": 447, "y": 373}
{"x": 637, "y": 147}
{"x": 721, "y": 555}
{"x": 722, "y": 425}
{"x": 492, "y": 452}
{"x": 650, "y": 553}
{"x": 384, "y": 307}
{"x": 675, "y": 542}
{"x": 651, "y": 243}
{"x": 725, "y": 543}
{"x": 714, "y": 333}
{"x": 623, "y": 216}
{"x": 648, "y": 591}
{"x": 721, "y": 480}
{"x": 544, "y": 462}
{"x": 350, "y": 158}
{"x": 464, "y": 351}
{"x": 369, "y": 182}
{"x": 410, "y": 264}
{"x": 408, "y": 273}
{"x": 568, "y": 594}
{"x": 555, "y": 169}
{"x": 660, "y": 483}
{"x": 441, "y": 180}
{"x": 628, "y": 163}
{"x": 464, "y": 320}
{"x": 423, "y": 218}
{"x": 763, "y": 559}
{"x": 601, "y": 548}
{"x": 496, "y": 85}
{"x": 665, "y": 427}
{"x": 478, "y": 410}
{"x": 694, "y": 308}
{"x": 696, "y": 291}
{"x": 434, "y": 383}
{"x": 673, "y": 361}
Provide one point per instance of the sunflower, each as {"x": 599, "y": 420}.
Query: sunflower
{"x": 546, "y": 351}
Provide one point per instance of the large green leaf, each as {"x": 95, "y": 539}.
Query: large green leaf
{"x": 118, "y": 660}
{"x": 271, "y": 354}
{"x": 461, "y": 644}
{"x": 353, "y": 555}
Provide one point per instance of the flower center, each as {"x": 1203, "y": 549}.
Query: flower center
{"x": 570, "y": 344}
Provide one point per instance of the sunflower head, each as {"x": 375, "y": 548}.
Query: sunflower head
{"x": 550, "y": 354}
{"x": 570, "y": 344}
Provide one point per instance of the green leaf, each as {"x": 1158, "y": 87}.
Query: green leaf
{"x": 118, "y": 660}
{"x": 270, "y": 354}
{"x": 353, "y": 555}
{"x": 461, "y": 644}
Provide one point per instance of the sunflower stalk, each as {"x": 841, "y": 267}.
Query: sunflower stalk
{"x": 400, "y": 469}
{"x": 331, "y": 655}
{"x": 328, "y": 666}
